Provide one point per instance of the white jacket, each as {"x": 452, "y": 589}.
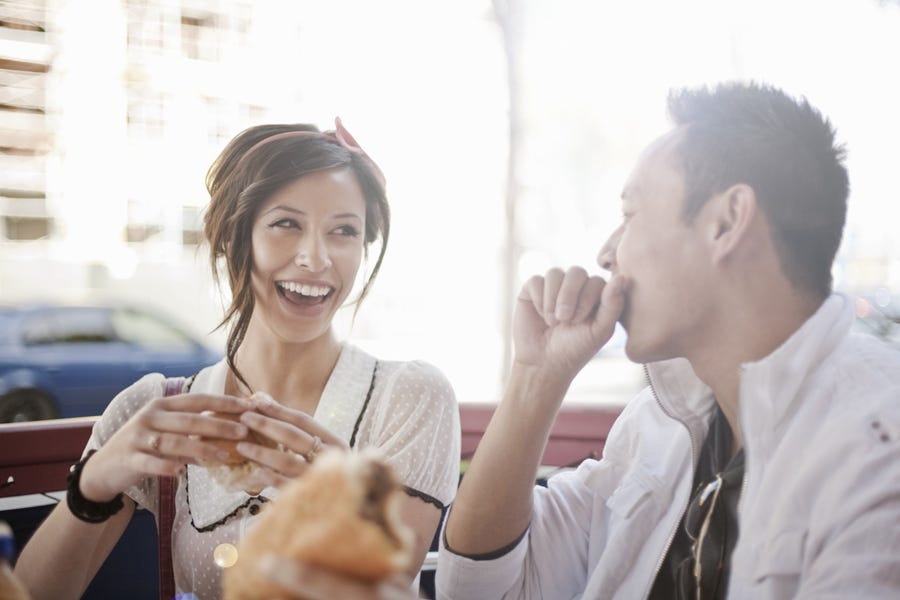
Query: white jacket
{"x": 819, "y": 514}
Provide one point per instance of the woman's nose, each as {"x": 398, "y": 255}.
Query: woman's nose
{"x": 606, "y": 258}
{"x": 312, "y": 255}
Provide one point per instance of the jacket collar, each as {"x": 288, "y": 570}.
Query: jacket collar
{"x": 768, "y": 387}
{"x": 683, "y": 396}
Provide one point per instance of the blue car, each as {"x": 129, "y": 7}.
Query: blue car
{"x": 69, "y": 361}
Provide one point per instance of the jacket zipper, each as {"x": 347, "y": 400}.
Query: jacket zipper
{"x": 693, "y": 460}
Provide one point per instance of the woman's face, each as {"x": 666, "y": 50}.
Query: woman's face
{"x": 307, "y": 248}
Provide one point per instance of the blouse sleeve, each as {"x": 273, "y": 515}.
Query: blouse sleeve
{"x": 417, "y": 428}
{"x": 117, "y": 413}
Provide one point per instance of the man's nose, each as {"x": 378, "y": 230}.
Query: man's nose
{"x": 606, "y": 258}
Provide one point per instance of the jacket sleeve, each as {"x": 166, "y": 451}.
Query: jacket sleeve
{"x": 551, "y": 560}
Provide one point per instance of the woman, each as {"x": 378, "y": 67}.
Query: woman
{"x": 293, "y": 212}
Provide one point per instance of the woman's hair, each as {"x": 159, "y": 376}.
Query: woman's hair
{"x": 249, "y": 170}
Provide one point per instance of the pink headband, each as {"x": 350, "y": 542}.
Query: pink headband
{"x": 340, "y": 135}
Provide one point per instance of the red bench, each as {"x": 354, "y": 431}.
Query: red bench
{"x": 35, "y": 457}
{"x": 580, "y": 431}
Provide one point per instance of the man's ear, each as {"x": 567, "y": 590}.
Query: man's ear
{"x": 732, "y": 218}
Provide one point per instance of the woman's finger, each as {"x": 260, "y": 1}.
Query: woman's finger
{"x": 265, "y": 405}
{"x": 197, "y": 403}
{"x": 287, "y": 462}
{"x": 187, "y": 449}
{"x": 197, "y": 424}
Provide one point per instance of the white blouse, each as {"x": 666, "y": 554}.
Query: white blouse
{"x": 410, "y": 414}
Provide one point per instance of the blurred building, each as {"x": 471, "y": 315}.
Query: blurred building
{"x": 110, "y": 113}
{"x": 138, "y": 94}
{"x": 26, "y": 52}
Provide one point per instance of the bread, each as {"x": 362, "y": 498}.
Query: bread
{"x": 237, "y": 472}
{"x": 343, "y": 515}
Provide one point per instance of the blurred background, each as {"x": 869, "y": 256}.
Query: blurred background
{"x": 506, "y": 130}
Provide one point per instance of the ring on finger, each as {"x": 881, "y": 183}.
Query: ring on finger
{"x": 314, "y": 451}
{"x": 153, "y": 441}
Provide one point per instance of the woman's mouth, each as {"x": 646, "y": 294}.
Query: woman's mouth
{"x": 304, "y": 294}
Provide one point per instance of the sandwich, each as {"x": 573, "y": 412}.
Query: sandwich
{"x": 342, "y": 515}
{"x": 237, "y": 472}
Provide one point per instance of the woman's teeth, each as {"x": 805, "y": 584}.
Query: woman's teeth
{"x": 305, "y": 290}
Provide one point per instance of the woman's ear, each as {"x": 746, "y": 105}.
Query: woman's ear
{"x": 732, "y": 218}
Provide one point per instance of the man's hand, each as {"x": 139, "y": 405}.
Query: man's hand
{"x": 564, "y": 317}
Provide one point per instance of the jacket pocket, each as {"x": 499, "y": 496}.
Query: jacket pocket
{"x": 782, "y": 556}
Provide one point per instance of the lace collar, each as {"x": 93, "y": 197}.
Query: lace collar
{"x": 339, "y": 408}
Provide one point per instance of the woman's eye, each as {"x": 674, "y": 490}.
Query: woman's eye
{"x": 348, "y": 230}
{"x": 284, "y": 224}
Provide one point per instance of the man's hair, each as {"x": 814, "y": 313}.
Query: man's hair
{"x": 781, "y": 147}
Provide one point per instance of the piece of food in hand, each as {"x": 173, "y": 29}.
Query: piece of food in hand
{"x": 237, "y": 472}
{"x": 343, "y": 515}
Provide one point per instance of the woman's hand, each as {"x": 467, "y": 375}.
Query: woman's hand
{"x": 159, "y": 440}
{"x": 310, "y": 583}
{"x": 300, "y": 438}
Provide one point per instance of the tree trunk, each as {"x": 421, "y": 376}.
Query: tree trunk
{"x": 509, "y": 15}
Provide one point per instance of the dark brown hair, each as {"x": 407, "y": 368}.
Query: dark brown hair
{"x": 239, "y": 183}
{"x": 786, "y": 151}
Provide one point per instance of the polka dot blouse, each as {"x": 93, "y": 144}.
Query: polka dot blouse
{"x": 410, "y": 414}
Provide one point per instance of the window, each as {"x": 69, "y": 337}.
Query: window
{"x": 191, "y": 225}
{"x": 200, "y": 36}
{"x": 24, "y": 228}
{"x": 147, "y": 331}
{"x": 69, "y": 326}
{"x": 145, "y": 28}
{"x": 146, "y": 112}
{"x": 25, "y": 15}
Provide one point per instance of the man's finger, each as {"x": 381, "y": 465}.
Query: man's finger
{"x": 612, "y": 303}
{"x": 533, "y": 292}
{"x": 569, "y": 294}
{"x": 552, "y": 282}
{"x": 589, "y": 299}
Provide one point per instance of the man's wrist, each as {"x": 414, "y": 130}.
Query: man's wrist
{"x": 538, "y": 384}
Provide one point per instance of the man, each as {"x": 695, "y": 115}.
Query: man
{"x": 763, "y": 461}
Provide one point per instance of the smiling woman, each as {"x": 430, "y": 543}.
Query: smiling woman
{"x": 293, "y": 214}
{"x": 307, "y": 246}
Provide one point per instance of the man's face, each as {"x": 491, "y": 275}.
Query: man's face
{"x": 662, "y": 257}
